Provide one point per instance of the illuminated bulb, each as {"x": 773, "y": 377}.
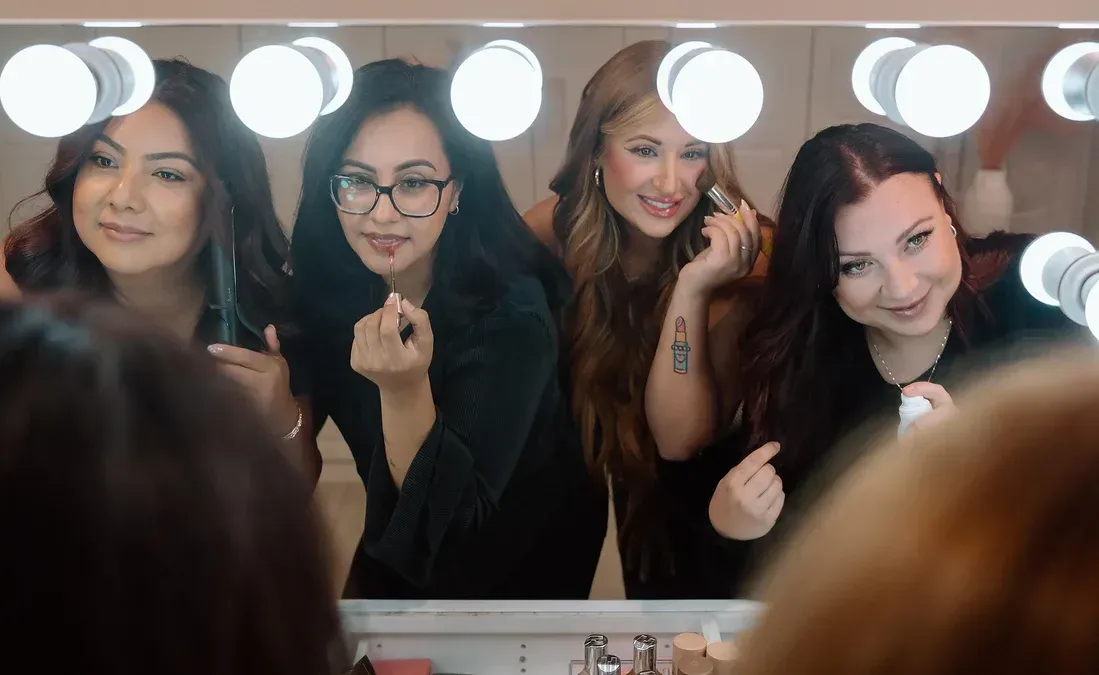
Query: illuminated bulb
{"x": 141, "y": 70}
{"x": 277, "y": 91}
{"x": 864, "y": 67}
{"x": 51, "y": 91}
{"x": 497, "y": 91}
{"x": 1070, "y": 82}
{"x": 937, "y": 91}
{"x": 716, "y": 95}
{"x": 1062, "y": 269}
{"x": 669, "y": 63}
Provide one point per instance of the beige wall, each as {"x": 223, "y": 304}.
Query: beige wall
{"x": 561, "y": 11}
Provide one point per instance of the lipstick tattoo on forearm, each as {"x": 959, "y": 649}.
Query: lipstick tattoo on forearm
{"x": 680, "y": 347}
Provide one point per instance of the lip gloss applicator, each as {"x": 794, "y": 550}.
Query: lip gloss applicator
{"x": 393, "y": 289}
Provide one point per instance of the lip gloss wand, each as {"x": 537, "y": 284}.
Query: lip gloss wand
{"x": 393, "y": 289}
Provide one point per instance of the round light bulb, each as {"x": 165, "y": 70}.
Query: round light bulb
{"x": 276, "y": 91}
{"x": 717, "y": 96}
{"x": 864, "y": 67}
{"x": 1038, "y": 253}
{"x": 141, "y": 69}
{"x": 664, "y": 71}
{"x": 1091, "y": 310}
{"x": 496, "y": 93}
{"x": 344, "y": 73}
{"x": 1055, "y": 74}
{"x": 529, "y": 55}
{"x": 48, "y": 91}
{"x": 942, "y": 91}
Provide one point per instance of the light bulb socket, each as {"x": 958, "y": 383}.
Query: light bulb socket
{"x": 1071, "y": 273}
{"x": 884, "y": 77}
{"x": 1081, "y": 85}
{"x": 114, "y": 81}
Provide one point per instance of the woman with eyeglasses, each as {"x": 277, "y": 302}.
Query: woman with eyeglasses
{"x": 428, "y": 312}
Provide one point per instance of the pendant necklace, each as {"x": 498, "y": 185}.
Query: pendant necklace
{"x": 942, "y": 348}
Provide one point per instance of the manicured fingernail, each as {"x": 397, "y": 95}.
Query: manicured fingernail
{"x": 390, "y": 300}
{"x": 214, "y": 349}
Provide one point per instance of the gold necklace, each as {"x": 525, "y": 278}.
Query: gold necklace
{"x": 942, "y": 348}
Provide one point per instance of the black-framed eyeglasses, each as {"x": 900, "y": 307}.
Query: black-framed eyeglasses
{"x": 412, "y": 197}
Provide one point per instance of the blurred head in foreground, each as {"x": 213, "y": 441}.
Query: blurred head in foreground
{"x": 149, "y": 520}
{"x": 973, "y": 550}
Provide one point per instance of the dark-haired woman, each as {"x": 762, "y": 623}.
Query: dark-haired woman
{"x": 141, "y": 493}
{"x": 874, "y": 290}
{"x": 448, "y": 395}
{"x": 136, "y": 202}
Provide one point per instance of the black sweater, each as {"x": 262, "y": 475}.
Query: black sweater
{"x": 497, "y": 503}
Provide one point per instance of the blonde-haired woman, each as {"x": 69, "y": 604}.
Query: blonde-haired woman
{"x": 662, "y": 291}
{"x": 971, "y": 548}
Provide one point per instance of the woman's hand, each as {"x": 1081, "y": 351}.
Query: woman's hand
{"x": 942, "y": 406}
{"x": 265, "y": 375}
{"x": 379, "y": 354}
{"x": 749, "y": 499}
{"x": 734, "y": 246}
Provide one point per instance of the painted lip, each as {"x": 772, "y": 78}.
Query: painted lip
{"x": 660, "y": 207}
{"x": 385, "y": 243}
{"x": 912, "y": 309}
{"x": 121, "y": 232}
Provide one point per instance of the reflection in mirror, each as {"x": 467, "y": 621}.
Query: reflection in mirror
{"x": 686, "y": 337}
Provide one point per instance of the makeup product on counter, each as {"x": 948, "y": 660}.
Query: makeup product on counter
{"x": 595, "y": 647}
{"x": 687, "y": 645}
{"x": 644, "y": 655}
{"x": 722, "y": 656}
{"x": 912, "y": 408}
{"x": 693, "y": 665}
{"x": 393, "y": 289}
{"x": 609, "y": 664}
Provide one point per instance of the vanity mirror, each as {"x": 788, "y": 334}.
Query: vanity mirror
{"x": 1014, "y": 137}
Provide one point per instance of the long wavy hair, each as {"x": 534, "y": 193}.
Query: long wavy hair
{"x": 45, "y": 252}
{"x": 481, "y": 247}
{"x": 612, "y": 325}
{"x": 800, "y": 346}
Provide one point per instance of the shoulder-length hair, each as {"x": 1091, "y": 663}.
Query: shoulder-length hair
{"x": 481, "y": 247}
{"x": 45, "y": 253}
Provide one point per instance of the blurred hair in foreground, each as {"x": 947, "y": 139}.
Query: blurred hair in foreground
{"x": 149, "y": 519}
{"x": 974, "y": 549}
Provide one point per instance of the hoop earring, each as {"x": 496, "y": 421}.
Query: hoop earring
{"x": 455, "y": 211}
{"x": 598, "y": 176}
{"x": 954, "y": 231}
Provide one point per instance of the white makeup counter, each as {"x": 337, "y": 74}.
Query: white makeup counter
{"x": 530, "y": 638}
